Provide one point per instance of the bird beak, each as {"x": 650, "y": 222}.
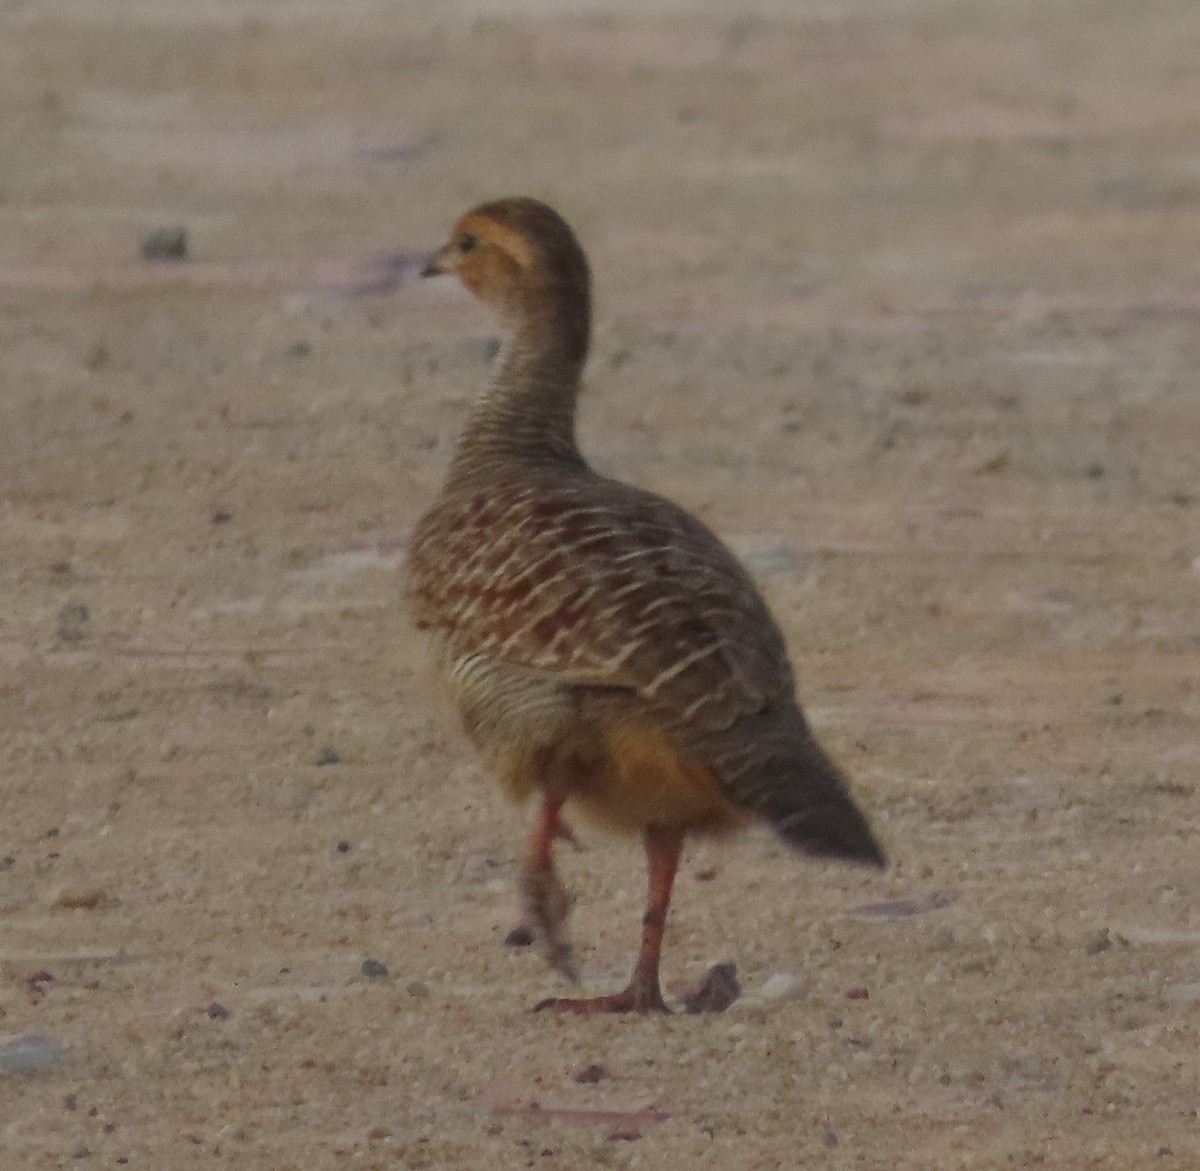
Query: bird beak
{"x": 437, "y": 264}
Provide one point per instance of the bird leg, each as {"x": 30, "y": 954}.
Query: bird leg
{"x": 643, "y": 993}
{"x": 545, "y": 902}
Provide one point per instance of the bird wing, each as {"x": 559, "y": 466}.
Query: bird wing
{"x": 598, "y": 584}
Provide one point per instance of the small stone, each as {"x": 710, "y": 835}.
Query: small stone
{"x": 623, "y": 1136}
{"x": 298, "y": 349}
{"x": 73, "y": 621}
{"x": 857, "y": 994}
{"x": 591, "y": 1075}
{"x": 831, "y": 1139}
{"x": 221, "y": 517}
{"x": 716, "y": 992}
{"x": 165, "y": 244}
{"x": 343, "y": 847}
{"x": 31, "y": 1053}
{"x": 80, "y": 898}
{"x": 417, "y": 990}
{"x": 779, "y": 986}
{"x": 217, "y": 1012}
{"x": 82, "y": 1151}
{"x": 374, "y": 969}
{"x": 378, "y": 1133}
{"x": 329, "y": 755}
{"x": 519, "y": 937}
{"x": 1100, "y": 942}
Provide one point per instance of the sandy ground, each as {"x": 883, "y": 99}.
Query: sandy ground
{"x": 901, "y": 298}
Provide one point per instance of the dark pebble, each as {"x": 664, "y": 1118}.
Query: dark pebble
{"x": 374, "y": 969}
{"x": 165, "y": 244}
{"x": 716, "y": 992}
{"x": 623, "y": 1136}
{"x": 590, "y": 1075}
{"x": 73, "y": 621}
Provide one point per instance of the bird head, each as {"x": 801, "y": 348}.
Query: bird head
{"x": 517, "y": 255}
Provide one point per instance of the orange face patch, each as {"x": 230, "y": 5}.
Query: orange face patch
{"x": 500, "y": 236}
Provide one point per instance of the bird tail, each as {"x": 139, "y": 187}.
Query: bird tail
{"x": 797, "y": 789}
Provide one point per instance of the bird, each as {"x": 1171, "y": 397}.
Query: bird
{"x": 606, "y": 653}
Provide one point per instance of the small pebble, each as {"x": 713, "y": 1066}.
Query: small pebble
{"x": 1100, "y": 942}
{"x": 716, "y": 992}
{"x": 73, "y": 621}
{"x": 374, "y": 969}
{"x": 165, "y": 244}
{"x": 217, "y": 1012}
{"x": 591, "y": 1075}
{"x": 857, "y": 994}
{"x": 519, "y": 937}
{"x": 329, "y": 755}
{"x": 779, "y": 986}
{"x": 416, "y": 989}
{"x": 221, "y": 517}
{"x": 31, "y": 1053}
{"x": 80, "y": 898}
{"x": 343, "y": 847}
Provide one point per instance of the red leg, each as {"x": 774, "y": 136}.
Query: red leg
{"x": 643, "y": 993}
{"x": 545, "y": 903}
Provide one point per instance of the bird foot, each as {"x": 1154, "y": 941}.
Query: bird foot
{"x": 545, "y": 906}
{"x": 642, "y": 996}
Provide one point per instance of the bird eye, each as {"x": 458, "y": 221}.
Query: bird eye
{"x": 467, "y": 242}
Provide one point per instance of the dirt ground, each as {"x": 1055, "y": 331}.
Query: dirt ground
{"x": 901, "y": 298}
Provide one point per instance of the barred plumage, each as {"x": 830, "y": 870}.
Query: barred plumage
{"x": 602, "y": 646}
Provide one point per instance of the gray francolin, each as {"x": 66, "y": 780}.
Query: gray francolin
{"x": 604, "y": 650}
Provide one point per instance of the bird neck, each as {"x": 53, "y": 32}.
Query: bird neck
{"x": 527, "y": 412}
